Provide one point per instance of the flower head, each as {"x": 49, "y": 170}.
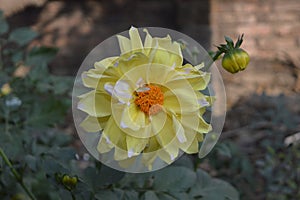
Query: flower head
{"x": 146, "y": 102}
{"x": 235, "y": 59}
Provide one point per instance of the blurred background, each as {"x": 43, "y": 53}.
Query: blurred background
{"x": 263, "y": 118}
{"x": 271, "y": 29}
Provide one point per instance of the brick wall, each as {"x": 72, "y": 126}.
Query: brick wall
{"x": 271, "y": 27}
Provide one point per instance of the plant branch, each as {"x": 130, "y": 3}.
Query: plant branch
{"x": 16, "y": 174}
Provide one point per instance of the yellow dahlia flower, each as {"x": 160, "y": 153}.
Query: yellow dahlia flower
{"x": 145, "y": 102}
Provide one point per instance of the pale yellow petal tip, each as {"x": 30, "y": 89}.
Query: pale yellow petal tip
{"x": 104, "y": 145}
{"x": 91, "y": 124}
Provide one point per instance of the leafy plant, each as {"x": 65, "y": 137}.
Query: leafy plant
{"x": 37, "y": 159}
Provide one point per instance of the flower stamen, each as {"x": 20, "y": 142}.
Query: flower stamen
{"x": 150, "y": 100}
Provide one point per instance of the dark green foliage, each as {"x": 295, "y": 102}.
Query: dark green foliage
{"x": 42, "y": 155}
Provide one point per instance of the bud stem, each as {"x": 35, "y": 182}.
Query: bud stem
{"x": 16, "y": 174}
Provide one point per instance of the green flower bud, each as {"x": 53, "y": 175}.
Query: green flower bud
{"x": 235, "y": 60}
{"x": 69, "y": 182}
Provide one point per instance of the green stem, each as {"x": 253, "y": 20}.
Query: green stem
{"x": 73, "y": 196}
{"x": 216, "y": 56}
{"x": 6, "y": 122}
{"x": 1, "y": 57}
{"x": 16, "y": 174}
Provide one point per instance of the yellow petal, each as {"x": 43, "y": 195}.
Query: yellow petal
{"x": 148, "y": 159}
{"x": 187, "y": 140}
{"x": 168, "y": 155}
{"x": 167, "y": 140}
{"x": 135, "y": 40}
{"x": 135, "y": 60}
{"x": 166, "y": 134}
{"x": 158, "y": 122}
{"x": 199, "y": 82}
{"x": 150, "y": 152}
{"x": 180, "y": 100}
{"x": 131, "y": 120}
{"x": 103, "y": 64}
{"x": 166, "y": 52}
{"x": 127, "y": 121}
{"x": 180, "y": 134}
{"x": 104, "y": 145}
{"x": 135, "y": 145}
{"x": 124, "y": 44}
{"x": 191, "y": 145}
{"x": 123, "y": 91}
{"x": 120, "y": 154}
{"x": 96, "y": 104}
{"x": 127, "y": 162}
{"x": 152, "y": 145}
{"x": 94, "y": 124}
{"x": 148, "y": 42}
{"x": 91, "y": 79}
{"x": 114, "y": 135}
{"x": 195, "y": 122}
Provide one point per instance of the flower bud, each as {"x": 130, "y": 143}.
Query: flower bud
{"x": 69, "y": 182}
{"x": 5, "y": 89}
{"x": 235, "y": 60}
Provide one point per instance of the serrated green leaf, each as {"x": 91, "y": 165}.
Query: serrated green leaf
{"x": 130, "y": 195}
{"x": 106, "y": 194}
{"x": 184, "y": 161}
{"x": 174, "y": 178}
{"x": 135, "y": 180}
{"x": 150, "y": 195}
{"x": 180, "y": 195}
{"x": 22, "y": 36}
{"x": 164, "y": 196}
{"x": 212, "y": 189}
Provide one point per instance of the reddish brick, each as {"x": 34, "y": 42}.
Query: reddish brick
{"x": 255, "y": 30}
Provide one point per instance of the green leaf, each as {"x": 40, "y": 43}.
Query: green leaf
{"x": 224, "y": 150}
{"x": 3, "y": 24}
{"x": 212, "y": 189}
{"x": 150, "y": 195}
{"x": 184, "y": 161}
{"x": 40, "y": 55}
{"x": 108, "y": 175}
{"x": 229, "y": 41}
{"x": 164, "y": 196}
{"x": 61, "y": 85}
{"x": 106, "y": 194}
{"x": 96, "y": 179}
{"x": 39, "y": 73}
{"x": 135, "y": 180}
{"x": 174, "y": 178}
{"x": 180, "y": 195}
{"x": 22, "y": 36}
{"x": 31, "y": 161}
{"x": 130, "y": 195}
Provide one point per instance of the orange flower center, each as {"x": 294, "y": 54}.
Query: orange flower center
{"x": 149, "y": 99}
